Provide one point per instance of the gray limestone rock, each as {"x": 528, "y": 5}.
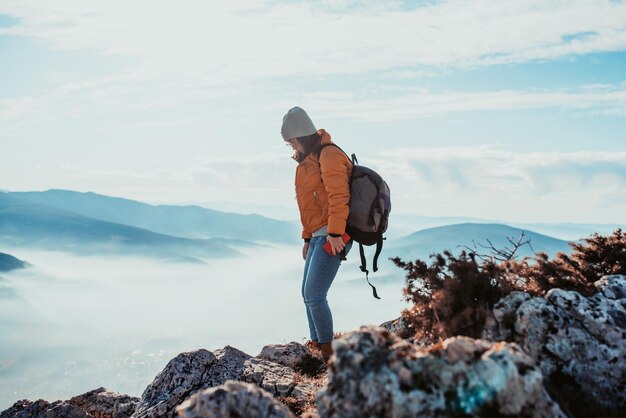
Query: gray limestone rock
{"x": 98, "y": 403}
{"x": 399, "y": 326}
{"x": 43, "y": 409}
{"x": 578, "y": 342}
{"x": 499, "y": 325}
{"x": 190, "y": 372}
{"x": 289, "y": 355}
{"x": 233, "y": 399}
{"x": 103, "y": 403}
{"x": 612, "y": 287}
{"x": 374, "y": 373}
{"x": 273, "y": 377}
{"x": 184, "y": 374}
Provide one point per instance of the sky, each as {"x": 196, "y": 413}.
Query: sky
{"x": 510, "y": 110}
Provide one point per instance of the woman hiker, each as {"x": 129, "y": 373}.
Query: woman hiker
{"x": 323, "y": 195}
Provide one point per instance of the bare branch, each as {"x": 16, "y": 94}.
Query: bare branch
{"x": 506, "y": 253}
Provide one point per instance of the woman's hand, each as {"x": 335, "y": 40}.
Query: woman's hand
{"x": 305, "y": 250}
{"x": 336, "y": 244}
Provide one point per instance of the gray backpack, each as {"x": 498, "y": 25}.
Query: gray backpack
{"x": 370, "y": 204}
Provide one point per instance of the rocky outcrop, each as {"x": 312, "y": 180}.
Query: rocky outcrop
{"x": 184, "y": 376}
{"x": 398, "y": 326}
{"x": 98, "y": 403}
{"x": 290, "y": 355}
{"x": 191, "y": 372}
{"x": 573, "y": 345}
{"x": 103, "y": 403}
{"x": 375, "y": 373}
{"x": 43, "y": 409}
{"x": 578, "y": 342}
{"x": 233, "y": 399}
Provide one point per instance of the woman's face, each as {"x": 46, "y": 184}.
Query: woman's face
{"x": 296, "y": 145}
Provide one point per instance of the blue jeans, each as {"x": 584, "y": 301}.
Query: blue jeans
{"x": 320, "y": 269}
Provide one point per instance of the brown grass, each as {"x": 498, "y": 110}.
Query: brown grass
{"x": 312, "y": 370}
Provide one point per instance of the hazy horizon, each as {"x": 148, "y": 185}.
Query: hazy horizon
{"x": 289, "y": 213}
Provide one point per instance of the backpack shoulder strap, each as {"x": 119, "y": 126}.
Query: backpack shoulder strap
{"x": 353, "y": 159}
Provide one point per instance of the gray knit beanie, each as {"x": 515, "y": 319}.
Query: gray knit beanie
{"x": 297, "y": 123}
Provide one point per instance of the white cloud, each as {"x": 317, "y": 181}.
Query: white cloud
{"x": 489, "y": 182}
{"x": 252, "y": 39}
{"x": 601, "y": 99}
{"x": 196, "y": 50}
{"x": 121, "y": 96}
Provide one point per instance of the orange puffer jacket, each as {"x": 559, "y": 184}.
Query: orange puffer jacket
{"x": 322, "y": 189}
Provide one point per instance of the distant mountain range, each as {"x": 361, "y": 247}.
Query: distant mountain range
{"x": 27, "y": 224}
{"x": 181, "y": 221}
{"x": 90, "y": 223}
{"x": 8, "y": 262}
{"x": 422, "y": 244}
{"x": 400, "y": 223}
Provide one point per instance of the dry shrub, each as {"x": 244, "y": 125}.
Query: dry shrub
{"x": 594, "y": 257}
{"x": 307, "y": 407}
{"x": 294, "y": 405}
{"x": 451, "y": 296}
{"x": 454, "y": 294}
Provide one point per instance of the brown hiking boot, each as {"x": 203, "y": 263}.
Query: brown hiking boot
{"x": 327, "y": 350}
{"x": 312, "y": 345}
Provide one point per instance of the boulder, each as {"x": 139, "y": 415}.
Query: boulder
{"x": 233, "y": 399}
{"x": 274, "y": 378}
{"x": 184, "y": 374}
{"x": 43, "y": 409}
{"x": 191, "y": 372}
{"x": 399, "y": 326}
{"x": 374, "y": 373}
{"x": 499, "y": 326}
{"x": 290, "y": 355}
{"x": 98, "y": 403}
{"x": 578, "y": 342}
{"x": 103, "y": 403}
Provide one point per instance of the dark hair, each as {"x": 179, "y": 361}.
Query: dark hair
{"x": 310, "y": 143}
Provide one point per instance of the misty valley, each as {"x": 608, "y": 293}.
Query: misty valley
{"x": 71, "y": 323}
{"x": 101, "y": 291}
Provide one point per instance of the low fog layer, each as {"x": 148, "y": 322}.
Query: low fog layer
{"x": 69, "y": 324}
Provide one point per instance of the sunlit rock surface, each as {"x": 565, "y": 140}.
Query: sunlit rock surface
{"x": 43, "y": 409}
{"x": 190, "y": 372}
{"x": 578, "y": 342}
{"x": 289, "y": 355}
{"x": 103, "y": 403}
{"x": 376, "y": 374}
{"x": 98, "y": 403}
{"x": 398, "y": 326}
{"x": 182, "y": 377}
{"x": 233, "y": 399}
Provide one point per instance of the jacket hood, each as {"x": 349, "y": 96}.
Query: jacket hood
{"x": 325, "y": 137}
